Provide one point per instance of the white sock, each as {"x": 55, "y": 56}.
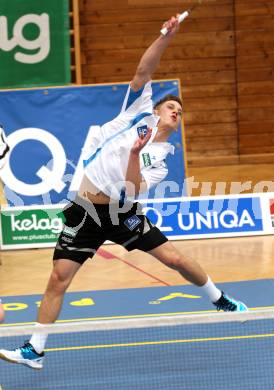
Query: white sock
{"x": 211, "y": 290}
{"x": 38, "y": 340}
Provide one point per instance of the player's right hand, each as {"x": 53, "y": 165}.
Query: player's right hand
{"x": 172, "y": 25}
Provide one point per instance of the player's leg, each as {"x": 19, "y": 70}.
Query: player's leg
{"x": 31, "y": 353}
{"x": 78, "y": 241}
{"x": 191, "y": 271}
{"x": 135, "y": 231}
{"x": 62, "y": 274}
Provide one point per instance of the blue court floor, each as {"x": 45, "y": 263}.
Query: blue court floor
{"x": 225, "y": 356}
{"x": 138, "y": 302}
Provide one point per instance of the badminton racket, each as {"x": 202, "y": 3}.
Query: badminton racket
{"x": 182, "y": 16}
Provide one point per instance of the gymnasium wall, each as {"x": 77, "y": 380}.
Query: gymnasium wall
{"x": 255, "y": 79}
{"x": 223, "y": 56}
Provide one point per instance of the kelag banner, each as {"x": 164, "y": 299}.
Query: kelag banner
{"x": 30, "y": 227}
{"x": 34, "y": 43}
{"x": 47, "y": 130}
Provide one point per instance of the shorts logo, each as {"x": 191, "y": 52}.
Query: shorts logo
{"x": 142, "y": 131}
{"x": 67, "y": 239}
{"x": 146, "y": 159}
{"x": 132, "y": 222}
{"x": 68, "y": 231}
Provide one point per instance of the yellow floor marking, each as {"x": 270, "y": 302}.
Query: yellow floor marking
{"x": 172, "y": 296}
{"x": 162, "y": 342}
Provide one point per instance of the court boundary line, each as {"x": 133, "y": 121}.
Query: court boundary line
{"x": 161, "y": 342}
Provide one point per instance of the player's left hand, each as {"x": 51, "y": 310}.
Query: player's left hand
{"x": 141, "y": 142}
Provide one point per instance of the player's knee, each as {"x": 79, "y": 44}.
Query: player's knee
{"x": 59, "y": 281}
{"x": 174, "y": 260}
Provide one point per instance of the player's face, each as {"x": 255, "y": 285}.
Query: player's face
{"x": 170, "y": 113}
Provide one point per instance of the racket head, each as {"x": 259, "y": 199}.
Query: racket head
{"x": 198, "y": 2}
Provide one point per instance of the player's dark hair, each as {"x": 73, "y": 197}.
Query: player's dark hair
{"x": 166, "y": 99}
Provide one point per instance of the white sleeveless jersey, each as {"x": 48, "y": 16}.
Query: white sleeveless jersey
{"x": 106, "y": 159}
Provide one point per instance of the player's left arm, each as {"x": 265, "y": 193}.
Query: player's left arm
{"x": 135, "y": 183}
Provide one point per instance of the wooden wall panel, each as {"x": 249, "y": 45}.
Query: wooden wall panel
{"x": 223, "y": 55}
{"x": 254, "y": 23}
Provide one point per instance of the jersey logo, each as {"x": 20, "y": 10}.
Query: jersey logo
{"x": 142, "y": 130}
{"x": 146, "y": 159}
{"x": 132, "y": 222}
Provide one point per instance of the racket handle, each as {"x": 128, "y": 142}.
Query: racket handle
{"x": 182, "y": 17}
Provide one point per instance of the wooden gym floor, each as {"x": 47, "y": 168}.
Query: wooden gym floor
{"x": 226, "y": 260}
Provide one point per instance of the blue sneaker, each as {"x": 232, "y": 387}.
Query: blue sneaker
{"x": 227, "y": 303}
{"x": 24, "y": 355}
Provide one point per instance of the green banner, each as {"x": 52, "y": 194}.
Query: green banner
{"x": 29, "y": 228}
{"x": 34, "y": 43}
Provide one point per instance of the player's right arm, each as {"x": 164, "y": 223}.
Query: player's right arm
{"x": 151, "y": 57}
{"x": 138, "y": 99}
{"x": 139, "y": 95}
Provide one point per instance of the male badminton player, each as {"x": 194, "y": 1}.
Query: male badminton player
{"x": 127, "y": 155}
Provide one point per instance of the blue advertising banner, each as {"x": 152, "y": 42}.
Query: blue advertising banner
{"x": 47, "y": 130}
{"x": 206, "y": 217}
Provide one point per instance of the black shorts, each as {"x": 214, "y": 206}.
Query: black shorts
{"x": 87, "y": 226}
